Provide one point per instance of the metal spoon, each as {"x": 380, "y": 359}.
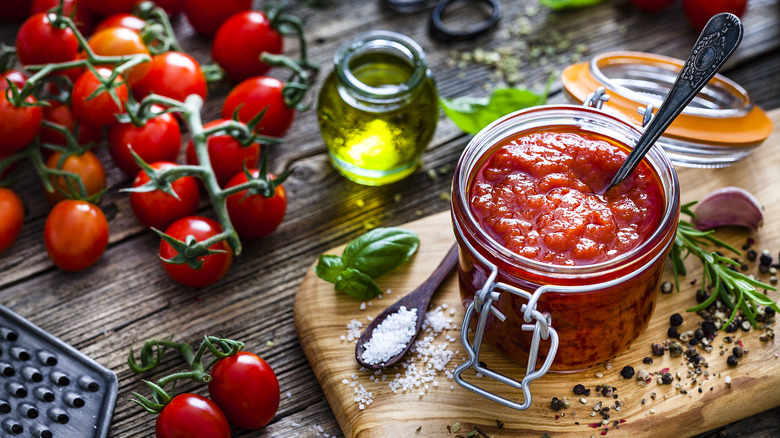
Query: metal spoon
{"x": 416, "y": 299}
{"x": 715, "y": 44}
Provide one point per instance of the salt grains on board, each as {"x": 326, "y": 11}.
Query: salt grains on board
{"x": 391, "y": 336}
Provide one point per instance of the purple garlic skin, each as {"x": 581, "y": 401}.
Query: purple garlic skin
{"x": 729, "y": 206}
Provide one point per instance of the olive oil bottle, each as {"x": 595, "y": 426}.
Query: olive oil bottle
{"x": 378, "y": 109}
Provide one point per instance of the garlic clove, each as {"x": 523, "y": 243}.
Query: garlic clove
{"x": 729, "y": 206}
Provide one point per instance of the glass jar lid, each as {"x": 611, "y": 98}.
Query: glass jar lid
{"x": 719, "y": 127}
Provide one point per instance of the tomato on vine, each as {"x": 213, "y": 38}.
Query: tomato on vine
{"x": 87, "y": 166}
{"x": 76, "y": 235}
{"x": 214, "y": 266}
{"x": 100, "y": 109}
{"x": 16, "y": 77}
{"x": 11, "y": 217}
{"x": 259, "y": 212}
{"x": 120, "y": 41}
{"x": 157, "y": 209}
{"x": 39, "y": 42}
{"x": 699, "y": 12}
{"x": 159, "y": 139}
{"x": 240, "y": 42}
{"x": 172, "y": 74}
{"x": 80, "y": 16}
{"x": 206, "y": 16}
{"x": 191, "y": 415}
{"x": 246, "y": 390}
{"x": 108, "y": 7}
{"x": 18, "y": 126}
{"x": 61, "y": 114}
{"x": 228, "y": 157}
{"x": 255, "y": 95}
{"x": 124, "y": 20}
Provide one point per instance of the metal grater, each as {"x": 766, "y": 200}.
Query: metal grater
{"x": 48, "y": 389}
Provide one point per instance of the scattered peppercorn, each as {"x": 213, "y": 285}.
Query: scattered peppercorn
{"x": 698, "y": 334}
{"x": 667, "y": 378}
{"x": 693, "y": 341}
{"x": 731, "y": 328}
{"x": 556, "y": 404}
{"x": 658, "y": 349}
{"x": 764, "y": 269}
{"x": 579, "y": 389}
{"x": 676, "y": 320}
{"x": 627, "y": 372}
{"x": 647, "y": 360}
{"x": 738, "y": 351}
{"x": 751, "y": 255}
{"x": 732, "y": 361}
{"x": 672, "y": 333}
{"x": 709, "y": 328}
{"x": 770, "y": 312}
{"x": 675, "y": 349}
{"x": 701, "y": 296}
{"x": 766, "y": 258}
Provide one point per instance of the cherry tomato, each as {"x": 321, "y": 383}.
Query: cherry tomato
{"x": 256, "y": 94}
{"x": 189, "y": 416}
{"x": 172, "y": 7}
{"x": 38, "y": 42}
{"x": 82, "y": 18}
{"x": 119, "y": 41}
{"x": 101, "y": 109}
{"x": 157, "y": 140}
{"x": 108, "y": 7}
{"x": 226, "y": 154}
{"x": 214, "y": 265}
{"x": 18, "y": 126}
{"x": 127, "y": 21}
{"x": 241, "y": 40}
{"x": 15, "y": 76}
{"x": 246, "y": 390}
{"x": 255, "y": 216}
{"x": 699, "y": 12}
{"x": 157, "y": 209}
{"x": 61, "y": 114}
{"x": 76, "y": 234}
{"x": 86, "y": 165}
{"x": 172, "y": 74}
{"x": 206, "y": 16}
{"x": 11, "y": 217}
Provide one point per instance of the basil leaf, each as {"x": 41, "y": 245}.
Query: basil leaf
{"x": 380, "y": 250}
{"x": 563, "y": 4}
{"x": 472, "y": 114}
{"x": 357, "y": 284}
{"x": 329, "y": 267}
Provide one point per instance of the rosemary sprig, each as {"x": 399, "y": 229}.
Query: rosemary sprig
{"x": 735, "y": 289}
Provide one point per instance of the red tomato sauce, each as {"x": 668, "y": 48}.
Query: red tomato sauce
{"x": 538, "y": 195}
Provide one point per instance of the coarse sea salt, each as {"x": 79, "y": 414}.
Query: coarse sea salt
{"x": 391, "y": 336}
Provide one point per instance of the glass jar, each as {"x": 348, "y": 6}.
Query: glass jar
{"x": 378, "y": 109}
{"x": 588, "y": 313}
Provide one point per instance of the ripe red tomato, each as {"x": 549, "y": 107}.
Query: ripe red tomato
{"x": 11, "y": 217}
{"x": 256, "y": 94}
{"x": 61, "y": 114}
{"x": 206, "y": 16}
{"x": 246, "y": 390}
{"x": 157, "y": 209}
{"x": 16, "y": 77}
{"x": 111, "y": 7}
{"x": 214, "y": 265}
{"x": 101, "y": 109}
{"x": 18, "y": 126}
{"x": 86, "y": 165}
{"x": 158, "y": 140}
{"x": 172, "y": 74}
{"x": 191, "y": 415}
{"x": 82, "y": 18}
{"x": 127, "y": 21}
{"x": 119, "y": 41}
{"x": 76, "y": 234}
{"x": 172, "y": 7}
{"x": 699, "y": 12}
{"x": 226, "y": 154}
{"x": 38, "y": 42}
{"x": 241, "y": 40}
{"x": 255, "y": 216}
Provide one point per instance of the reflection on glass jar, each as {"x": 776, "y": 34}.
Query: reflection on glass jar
{"x": 378, "y": 109}
{"x": 570, "y": 156}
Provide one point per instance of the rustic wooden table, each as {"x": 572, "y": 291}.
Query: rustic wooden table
{"x": 126, "y": 297}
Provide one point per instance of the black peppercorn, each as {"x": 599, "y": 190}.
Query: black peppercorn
{"x": 627, "y": 372}
{"x": 556, "y": 404}
{"x": 770, "y": 312}
{"x": 667, "y": 378}
{"x": 709, "y": 328}
{"x": 701, "y": 296}
{"x": 765, "y": 259}
{"x": 579, "y": 389}
{"x": 732, "y": 361}
{"x": 751, "y": 255}
{"x": 693, "y": 341}
{"x": 731, "y": 328}
{"x": 698, "y": 334}
{"x": 672, "y": 333}
{"x": 764, "y": 269}
{"x": 676, "y": 320}
{"x": 667, "y": 287}
{"x": 647, "y": 360}
{"x": 658, "y": 349}
{"x": 738, "y": 351}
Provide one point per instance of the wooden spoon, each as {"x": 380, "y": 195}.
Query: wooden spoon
{"x": 416, "y": 299}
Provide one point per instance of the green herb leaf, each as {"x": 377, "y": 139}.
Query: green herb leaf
{"x": 380, "y": 250}
{"x": 472, "y": 114}
{"x": 563, "y": 4}
{"x": 357, "y": 284}
{"x": 329, "y": 267}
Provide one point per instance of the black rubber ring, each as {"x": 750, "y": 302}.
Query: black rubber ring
{"x": 407, "y": 6}
{"x": 441, "y": 32}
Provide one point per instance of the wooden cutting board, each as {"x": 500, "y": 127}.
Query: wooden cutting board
{"x": 321, "y": 317}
